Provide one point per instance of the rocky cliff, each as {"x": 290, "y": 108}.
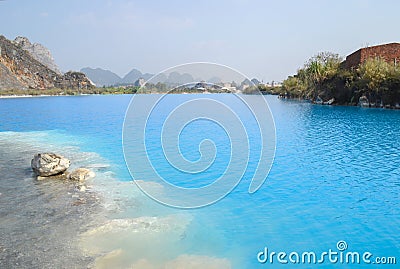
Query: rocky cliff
{"x": 20, "y": 70}
{"x": 38, "y": 52}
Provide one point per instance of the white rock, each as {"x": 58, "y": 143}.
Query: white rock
{"x": 49, "y": 164}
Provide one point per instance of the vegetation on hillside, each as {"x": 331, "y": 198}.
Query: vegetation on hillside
{"x": 324, "y": 78}
{"x": 38, "y": 92}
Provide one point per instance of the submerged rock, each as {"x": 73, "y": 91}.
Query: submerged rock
{"x": 49, "y": 164}
{"x": 81, "y": 174}
{"x": 81, "y": 188}
{"x": 62, "y": 176}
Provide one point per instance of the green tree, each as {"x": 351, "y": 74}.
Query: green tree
{"x": 320, "y": 68}
{"x": 294, "y": 87}
{"x": 373, "y": 73}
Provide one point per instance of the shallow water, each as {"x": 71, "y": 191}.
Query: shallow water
{"x": 336, "y": 176}
{"x": 40, "y": 220}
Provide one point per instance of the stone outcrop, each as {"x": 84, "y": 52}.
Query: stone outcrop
{"x": 81, "y": 174}
{"x": 54, "y": 166}
{"x": 49, "y": 164}
{"x": 38, "y": 52}
{"x": 20, "y": 70}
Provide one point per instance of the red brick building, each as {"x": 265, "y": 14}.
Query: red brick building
{"x": 389, "y": 52}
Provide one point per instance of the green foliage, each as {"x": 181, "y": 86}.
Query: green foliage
{"x": 37, "y": 92}
{"x": 274, "y": 90}
{"x": 318, "y": 69}
{"x": 322, "y": 77}
{"x": 374, "y": 71}
{"x": 310, "y": 78}
{"x": 295, "y": 86}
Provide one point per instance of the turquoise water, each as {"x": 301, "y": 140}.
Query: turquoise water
{"x": 336, "y": 176}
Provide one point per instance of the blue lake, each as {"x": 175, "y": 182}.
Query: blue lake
{"x": 336, "y": 176}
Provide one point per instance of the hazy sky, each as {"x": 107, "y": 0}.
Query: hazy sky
{"x": 264, "y": 39}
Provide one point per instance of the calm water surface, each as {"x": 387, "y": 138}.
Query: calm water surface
{"x": 336, "y": 176}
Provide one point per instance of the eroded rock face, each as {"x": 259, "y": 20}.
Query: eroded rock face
{"x": 81, "y": 174}
{"x": 39, "y": 52}
{"x": 20, "y": 70}
{"x": 49, "y": 164}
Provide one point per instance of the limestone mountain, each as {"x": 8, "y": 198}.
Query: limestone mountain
{"x": 132, "y": 76}
{"x": 19, "y": 70}
{"x": 135, "y": 77}
{"x": 39, "y": 52}
{"x": 102, "y": 77}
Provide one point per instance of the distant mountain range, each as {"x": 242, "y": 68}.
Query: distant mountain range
{"x": 25, "y": 65}
{"x": 102, "y": 77}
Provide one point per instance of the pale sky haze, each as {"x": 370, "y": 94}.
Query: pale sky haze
{"x": 265, "y": 39}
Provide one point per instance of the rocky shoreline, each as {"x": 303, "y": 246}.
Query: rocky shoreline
{"x": 54, "y": 166}
{"x": 41, "y": 220}
{"x": 332, "y": 102}
{"x": 48, "y": 222}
